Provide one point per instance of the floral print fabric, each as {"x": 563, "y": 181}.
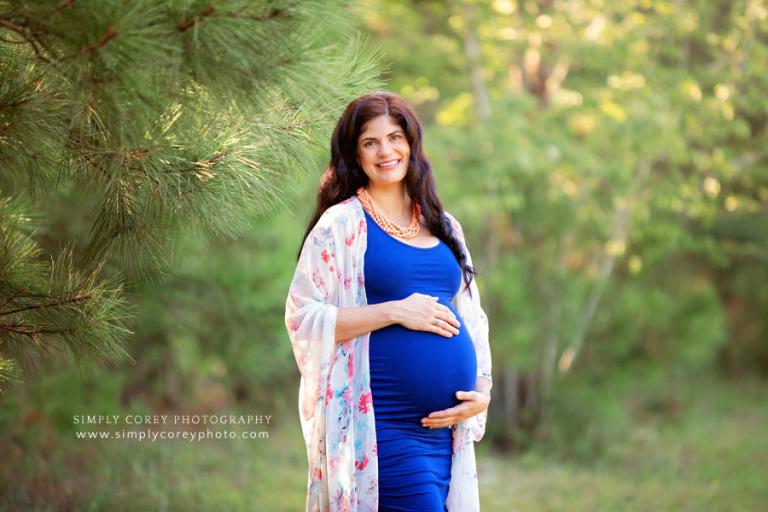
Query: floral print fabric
{"x": 335, "y": 405}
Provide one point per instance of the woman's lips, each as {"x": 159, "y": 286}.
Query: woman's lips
{"x": 389, "y": 165}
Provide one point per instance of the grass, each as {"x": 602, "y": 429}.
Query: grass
{"x": 709, "y": 457}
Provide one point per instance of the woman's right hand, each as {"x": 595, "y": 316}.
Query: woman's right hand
{"x": 421, "y": 312}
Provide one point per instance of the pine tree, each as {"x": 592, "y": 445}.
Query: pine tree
{"x": 151, "y": 116}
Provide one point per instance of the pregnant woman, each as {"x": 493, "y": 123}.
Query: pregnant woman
{"x": 414, "y": 373}
{"x": 387, "y": 329}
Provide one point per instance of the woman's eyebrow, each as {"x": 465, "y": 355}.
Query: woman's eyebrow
{"x": 374, "y": 138}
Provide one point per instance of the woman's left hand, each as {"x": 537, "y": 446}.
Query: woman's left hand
{"x": 474, "y": 402}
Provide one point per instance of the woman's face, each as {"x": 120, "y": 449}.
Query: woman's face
{"x": 383, "y": 151}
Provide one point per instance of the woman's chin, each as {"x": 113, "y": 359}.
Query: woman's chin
{"x": 388, "y": 178}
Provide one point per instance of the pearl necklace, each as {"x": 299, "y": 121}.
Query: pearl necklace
{"x": 387, "y": 225}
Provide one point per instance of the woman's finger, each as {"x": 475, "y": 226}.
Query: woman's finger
{"x": 452, "y": 324}
{"x": 445, "y": 314}
{"x": 440, "y": 423}
{"x": 449, "y": 316}
{"x": 444, "y": 328}
{"x": 441, "y": 331}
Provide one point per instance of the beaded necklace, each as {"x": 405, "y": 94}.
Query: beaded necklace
{"x": 387, "y": 225}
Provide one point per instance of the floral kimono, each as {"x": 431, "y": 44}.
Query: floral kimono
{"x": 335, "y": 404}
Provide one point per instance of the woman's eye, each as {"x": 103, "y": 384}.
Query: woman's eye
{"x": 396, "y": 137}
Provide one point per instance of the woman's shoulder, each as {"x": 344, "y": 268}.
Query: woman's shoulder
{"x": 344, "y": 214}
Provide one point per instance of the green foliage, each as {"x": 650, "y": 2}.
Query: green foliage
{"x": 679, "y": 326}
{"x": 623, "y": 145}
{"x": 66, "y": 311}
{"x": 220, "y": 316}
{"x": 123, "y": 125}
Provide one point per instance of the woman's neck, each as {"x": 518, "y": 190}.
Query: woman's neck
{"x": 394, "y": 202}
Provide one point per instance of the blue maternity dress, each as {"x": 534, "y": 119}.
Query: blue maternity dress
{"x": 414, "y": 373}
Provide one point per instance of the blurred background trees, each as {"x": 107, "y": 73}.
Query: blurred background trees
{"x": 622, "y": 146}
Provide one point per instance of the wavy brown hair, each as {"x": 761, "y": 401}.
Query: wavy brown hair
{"x": 344, "y": 175}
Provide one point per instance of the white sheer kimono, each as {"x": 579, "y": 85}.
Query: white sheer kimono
{"x": 335, "y": 405}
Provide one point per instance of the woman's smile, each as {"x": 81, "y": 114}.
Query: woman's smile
{"x": 389, "y": 164}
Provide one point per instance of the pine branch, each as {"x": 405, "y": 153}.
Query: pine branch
{"x": 162, "y": 119}
{"x": 27, "y": 35}
{"x": 9, "y": 373}
{"x": 49, "y": 305}
{"x": 103, "y": 41}
{"x": 186, "y": 25}
{"x": 33, "y": 331}
{"x": 68, "y": 310}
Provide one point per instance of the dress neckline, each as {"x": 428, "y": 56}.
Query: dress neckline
{"x": 369, "y": 219}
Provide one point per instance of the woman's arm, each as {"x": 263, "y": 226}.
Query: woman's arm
{"x": 352, "y": 322}
{"x": 417, "y": 311}
{"x": 483, "y": 385}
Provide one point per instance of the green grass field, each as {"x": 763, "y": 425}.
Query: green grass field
{"x": 710, "y": 457}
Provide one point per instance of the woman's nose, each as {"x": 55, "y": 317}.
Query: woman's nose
{"x": 385, "y": 148}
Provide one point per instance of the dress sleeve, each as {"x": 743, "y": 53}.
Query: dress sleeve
{"x": 476, "y": 320}
{"x": 310, "y": 313}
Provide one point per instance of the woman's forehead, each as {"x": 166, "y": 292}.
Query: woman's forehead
{"x": 379, "y": 126}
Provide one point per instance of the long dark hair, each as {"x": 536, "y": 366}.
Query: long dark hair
{"x": 344, "y": 175}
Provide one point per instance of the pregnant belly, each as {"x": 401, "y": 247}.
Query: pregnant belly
{"x": 414, "y": 373}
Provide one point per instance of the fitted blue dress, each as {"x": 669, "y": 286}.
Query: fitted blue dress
{"x": 414, "y": 373}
